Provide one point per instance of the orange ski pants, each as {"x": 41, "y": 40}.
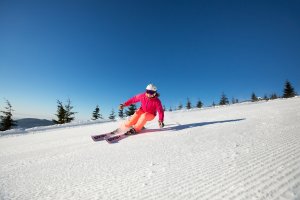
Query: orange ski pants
{"x": 139, "y": 119}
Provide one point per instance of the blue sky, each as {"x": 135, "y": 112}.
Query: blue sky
{"x": 104, "y": 52}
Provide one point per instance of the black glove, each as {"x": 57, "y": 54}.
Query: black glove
{"x": 161, "y": 124}
{"x": 121, "y": 106}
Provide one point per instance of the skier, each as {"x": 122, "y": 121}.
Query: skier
{"x": 150, "y": 105}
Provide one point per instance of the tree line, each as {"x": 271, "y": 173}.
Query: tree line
{"x": 65, "y": 113}
{"x": 288, "y": 92}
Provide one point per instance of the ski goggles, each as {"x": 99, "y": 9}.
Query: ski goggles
{"x": 150, "y": 92}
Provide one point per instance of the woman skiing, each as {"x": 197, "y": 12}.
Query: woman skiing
{"x": 150, "y": 105}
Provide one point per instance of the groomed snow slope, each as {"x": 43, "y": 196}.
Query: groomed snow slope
{"x": 242, "y": 151}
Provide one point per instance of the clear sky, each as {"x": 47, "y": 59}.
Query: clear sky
{"x": 104, "y": 52}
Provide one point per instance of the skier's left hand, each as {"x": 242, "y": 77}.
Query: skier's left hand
{"x": 121, "y": 106}
{"x": 161, "y": 124}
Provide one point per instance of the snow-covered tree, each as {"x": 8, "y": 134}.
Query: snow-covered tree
{"x": 6, "y": 120}
{"x": 288, "y": 91}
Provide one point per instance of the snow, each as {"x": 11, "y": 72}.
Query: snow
{"x": 56, "y": 126}
{"x": 236, "y": 152}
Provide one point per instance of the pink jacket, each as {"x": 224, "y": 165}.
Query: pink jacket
{"x": 149, "y": 105}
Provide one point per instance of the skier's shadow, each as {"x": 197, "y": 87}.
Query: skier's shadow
{"x": 180, "y": 127}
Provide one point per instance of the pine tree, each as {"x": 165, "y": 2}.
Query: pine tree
{"x": 170, "y": 109}
{"x": 288, "y": 91}
{"x": 64, "y": 113}
{"x": 112, "y": 115}
{"x": 61, "y": 113}
{"x": 69, "y": 116}
{"x": 233, "y": 100}
{"x": 121, "y": 113}
{"x": 6, "y": 120}
{"x": 224, "y": 100}
{"x": 199, "y": 104}
{"x": 253, "y": 97}
{"x": 131, "y": 110}
{"x": 96, "y": 113}
{"x": 213, "y": 104}
{"x": 273, "y": 96}
{"x": 188, "y": 104}
{"x": 180, "y": 106}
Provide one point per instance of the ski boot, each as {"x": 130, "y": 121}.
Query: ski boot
{"x": 132, "y": 131}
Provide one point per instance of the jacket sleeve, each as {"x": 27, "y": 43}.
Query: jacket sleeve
{"x": 160, "y": 111}
{"x": 133, "y": 100}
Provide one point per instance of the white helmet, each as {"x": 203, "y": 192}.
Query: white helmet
{"x": 151, "y": 87}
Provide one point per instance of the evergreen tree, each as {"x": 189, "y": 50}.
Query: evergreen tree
{"x": 266, "y": 97}
{"x": 69, "y": 116}
{"x": 254, "y": 97}
{"x": 64, "y": 113}
{"x": 96, "y": 113}
{"x": 180, "y": 106}
{"x": 6, "y": 120}
{"x": 61, "y": 113}
{"x": 131, "y": 110}
{"x": 112, "y": 115}
{"x": 121, "y": 113}
{"x": 199, "y": 104}
{"x": 273, "y": 96}
{"x": 224, "y": 100}
{"x": 188, "y": 104}
{"x": 288, "y": 91}
{"x": 170, "y": 109}
{"x": 213, "y": 104}
{"x": 233, "y": 100}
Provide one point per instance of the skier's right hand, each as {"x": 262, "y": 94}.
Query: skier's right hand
{"x": 121, "y": 107}
{"x": 161, "y": 124}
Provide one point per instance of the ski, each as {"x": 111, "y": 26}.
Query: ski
{"x": 104, "y": 136}
{"x": 116, "y": 138}
{"x": 119, "y": 134}
{"x": 100, "y": 137}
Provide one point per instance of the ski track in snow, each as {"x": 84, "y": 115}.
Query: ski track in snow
{"x": 236, "y": 152}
